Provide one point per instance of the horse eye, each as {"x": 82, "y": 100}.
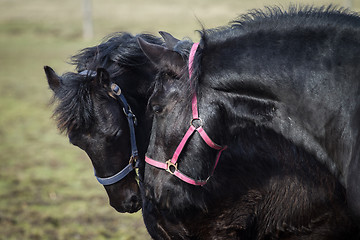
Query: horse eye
{"x": 157, "y": 109}
{"x": 118, "y": 133}
{"x": 113, "y": 136}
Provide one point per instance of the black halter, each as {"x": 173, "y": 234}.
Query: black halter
{"x": 133, "y": 163}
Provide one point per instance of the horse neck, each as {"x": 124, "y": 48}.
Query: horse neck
{"x": 286, "y": 90}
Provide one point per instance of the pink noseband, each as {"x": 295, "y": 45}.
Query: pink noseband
{"x": 171, "y": 164}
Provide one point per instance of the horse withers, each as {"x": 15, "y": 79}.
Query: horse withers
{"x": 280, "y": 90}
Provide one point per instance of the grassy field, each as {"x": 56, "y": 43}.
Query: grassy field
{"x": 47, "y": 188}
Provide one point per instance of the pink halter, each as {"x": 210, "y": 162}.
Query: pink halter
{"x": 171, "y": 164}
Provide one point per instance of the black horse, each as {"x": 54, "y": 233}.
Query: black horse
{"x": 281, "y": 90}
{"x": 90, "y": 113}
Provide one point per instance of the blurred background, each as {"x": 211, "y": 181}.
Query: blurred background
{"x": 47, "y": 188}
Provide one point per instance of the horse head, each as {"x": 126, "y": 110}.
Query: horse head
{"x": 93, "y": 119}
{"x": 172, "y": 107}
{"x": 102, "y": 106}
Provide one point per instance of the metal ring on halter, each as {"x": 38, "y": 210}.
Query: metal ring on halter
{"x": 130, "y": 114}
{"x": 116, "y": 89}
{"x": 196, "y": 119}
{"x": 169, "y": 165}
{"x": 133, "y": 161}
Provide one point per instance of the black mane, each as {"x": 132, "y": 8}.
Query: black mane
{"x": 75, "y": 109}
{"x": 118, "y": 53}
{"x": 278, "y": 19}
{"x": 117, "y": 49}
{"x": 272, "y": 20}
{"x": 307, "y": 16}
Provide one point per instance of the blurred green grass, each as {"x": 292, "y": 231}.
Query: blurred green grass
{"x": 47, "y": 188}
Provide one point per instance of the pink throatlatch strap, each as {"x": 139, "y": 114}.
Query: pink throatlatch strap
{"x": 171, "y": 164}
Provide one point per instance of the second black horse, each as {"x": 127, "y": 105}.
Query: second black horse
{"x": 281, "y": 90}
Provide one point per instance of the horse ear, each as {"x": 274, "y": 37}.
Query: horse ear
{"x": 153, "y": 52}
{"x": 54, "y": 80}
{"x": 170, "y": 41}
{"x": 162, "y": 57}
{"x": 103, "y": 76}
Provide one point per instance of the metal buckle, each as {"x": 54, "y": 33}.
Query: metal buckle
{"x": 193, "y": 121}
{"x": 133, "y": 160}
{"x": 116, "y": 89}
{"x": 171, "y": 167}
{"x": 131, "y": 114}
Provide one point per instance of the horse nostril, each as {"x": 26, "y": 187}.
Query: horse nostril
{"x": 134, "y": 199}
{"x": 134, "y": 203}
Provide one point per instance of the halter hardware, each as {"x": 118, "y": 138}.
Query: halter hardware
{"x": 171, "y": 167}
{"x": 116, "y": 89}
{"x": 194, "y": 120}
{"x": 129, "y": 114}
{"x": 133, "y": 161}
